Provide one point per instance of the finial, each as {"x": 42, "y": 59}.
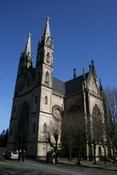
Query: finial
{"x": 101, "y": 89}
{"x": 100, "y": 81}
{"x": 32, "y": 56}
{"x": 89, "y": 67}
{"x": 47, "y": 18}
{"x": 29, "y": 34}
{"x": 84, "y": 77}
{"x": 83, "y": 71}
{"x": 52, "y": 42}
{"x": 74, "y": 72}
{"x": 92, "y": 62}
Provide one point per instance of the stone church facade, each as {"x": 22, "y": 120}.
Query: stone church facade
{"x": 40, "y": 98}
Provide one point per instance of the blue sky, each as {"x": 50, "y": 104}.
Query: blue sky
{"x": 83, "y": 30}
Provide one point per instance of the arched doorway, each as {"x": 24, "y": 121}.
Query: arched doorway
{"x": 23, "y": 126}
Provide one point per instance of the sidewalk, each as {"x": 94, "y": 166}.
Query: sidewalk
{"x": 99, "y": 164}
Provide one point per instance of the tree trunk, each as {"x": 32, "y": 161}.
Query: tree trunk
{"x": 114, "y": 161}
{"x": 78, "y": 163}
{"x": 56, "y": 145}
{"x": 70, "y": 153}
{"x": 104, "y": 154}
{"x": 94, "y": 154}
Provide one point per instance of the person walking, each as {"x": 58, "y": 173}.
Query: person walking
{"x": 54, "y": 157}
{"x": 20, "y": 153}
{"x": 23, "y": 155}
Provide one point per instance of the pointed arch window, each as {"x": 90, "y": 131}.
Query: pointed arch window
{"x": 36, "y": 99}
{"x": 47, "y": 77}
{"x": 46, "y": 100}
{"x": 28, "y": 82}
{"x": 47, "y": 57}
{"x": 34, "y": 127}
{"x": 97, "y": 131}
{"x": 44, "y": 127}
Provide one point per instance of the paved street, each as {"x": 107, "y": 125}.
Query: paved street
{"x": 30, "y": 167}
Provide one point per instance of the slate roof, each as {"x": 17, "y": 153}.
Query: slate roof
{"x": 58, "y": 85}
{"x": 69, "y": 86}
{"x": 74, "y": 84}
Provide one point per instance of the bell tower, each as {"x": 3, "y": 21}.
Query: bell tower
{"x": 44, "y": 61}
{"x": 25, "y": 62}
{"x": 43, "y": 81}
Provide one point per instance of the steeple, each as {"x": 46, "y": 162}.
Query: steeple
{"x": 47, "y": 28}
{"x": 45, "y": 42}
{"x": 26, "y": 58}
{"x": 46, "y": 38}
{"x": 27, "y": 51}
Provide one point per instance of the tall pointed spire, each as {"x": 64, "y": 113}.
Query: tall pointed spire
{"x": 26, "y": 56}
{"x": 47, "y": 28}
{"x": 46, "y": 35}
{"x": 27, "y": 50}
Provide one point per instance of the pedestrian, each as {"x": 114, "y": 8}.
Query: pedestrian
{"x": 54, "y": 157}
{"x": 49, "y": 157}
{"x": 23, "y": 155}
{"x": 20, "y": 153}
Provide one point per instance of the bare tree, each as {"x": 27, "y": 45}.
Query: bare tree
{"x": 111, "y": 119}
{"x": 94, "y": 131}
{"x": 53, "y": 134}
{"x": 67, "y": 139}
{"x": 76, "y": 131}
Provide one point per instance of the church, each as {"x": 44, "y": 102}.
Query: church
{"x": 40, "y": 98}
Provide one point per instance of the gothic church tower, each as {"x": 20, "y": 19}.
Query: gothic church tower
{"x": 31, "y": 109}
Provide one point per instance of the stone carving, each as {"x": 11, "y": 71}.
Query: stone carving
{"x": 56, "y": 111}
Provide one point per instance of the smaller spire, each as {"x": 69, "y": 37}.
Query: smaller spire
{"x": 84, "y": 78}
{"x": 101, "y": 88}
{"x": 27, "y": 50}
{"x": 93, "y": 67}
{"x": 74, "y": 73}
{"x": 83, "y": 70}
{"x": 52, "y": 43}
{"x": 89, "y": 67}
{"x": 47, "y": 28}
{"x": 84, "y": 74}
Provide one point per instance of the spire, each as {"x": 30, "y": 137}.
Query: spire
{"x": 46, "y": 36}
{"x": 94, "y": 72}
{"x": 26, "y": 55}
{"x": 101, "y": 88}
{"x": 47, "y": 28}
{"x": 74, "y": 73}
{"x": 84, "y": 78}
{"x": 27, "y": 50}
